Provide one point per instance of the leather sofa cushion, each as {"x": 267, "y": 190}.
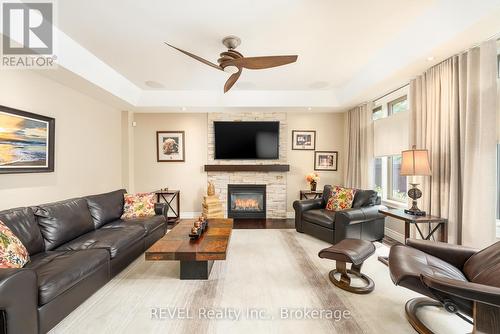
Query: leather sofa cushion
{"x": 407, "y": 264}
{"x": 364, "y": 198}
{"x": 59, "y": 271}
{"x": 22, "y": 223}
{"x": 484, "y": 266}
{"x": 113, "y": 239}
{"x": 150, "y": 224}
{"x": 63, "y": 221}
{"x": 107, "y": 207}
{"x": 320, "y": 217}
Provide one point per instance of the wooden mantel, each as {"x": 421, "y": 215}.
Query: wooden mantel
{"x": 247, "y": 168}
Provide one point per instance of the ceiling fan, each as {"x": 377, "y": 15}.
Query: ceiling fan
{"x": 231, "y": 61}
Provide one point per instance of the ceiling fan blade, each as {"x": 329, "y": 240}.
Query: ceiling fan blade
{"x": 232, "y": 80}
{"x": 204, "y": 61}
{"x": 258, "y": 63}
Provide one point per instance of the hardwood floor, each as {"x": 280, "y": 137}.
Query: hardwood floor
{"x": 264, "y": 224}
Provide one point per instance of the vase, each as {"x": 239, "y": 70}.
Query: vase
{"x": 313, "y": 186}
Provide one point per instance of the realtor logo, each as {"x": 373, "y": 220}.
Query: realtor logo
{"x": 28, "y": 39}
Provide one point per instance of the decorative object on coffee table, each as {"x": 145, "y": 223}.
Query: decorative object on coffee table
{"x": 212, "y": 206}
{"x": 353, "y": 251}
{"x": 312, "y": 179}
{"x": 198, "y": 228}
{"x": 415, "y": 163}
{"x": 26, "y": 142}
{"x": 170, "y": 146}
{"x": 304, "y": 140}
{"x": 326, "y": 160}
{"x": 196, "y": 256}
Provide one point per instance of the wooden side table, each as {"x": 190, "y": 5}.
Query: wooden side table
{"x": 440, "y": 224}
{"x": 169, "y": 196}
{"x": 308, "y": 194}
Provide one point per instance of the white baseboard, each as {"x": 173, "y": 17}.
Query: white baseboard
{"x": 394, "y": 235}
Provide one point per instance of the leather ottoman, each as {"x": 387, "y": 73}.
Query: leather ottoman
{"x": 354, "y": 251}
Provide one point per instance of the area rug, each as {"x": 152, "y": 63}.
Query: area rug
{"x": 272, "y": 282}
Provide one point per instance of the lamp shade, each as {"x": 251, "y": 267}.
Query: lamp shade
{"x": 415, "y": 162}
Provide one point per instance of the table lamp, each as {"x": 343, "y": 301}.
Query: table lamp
{"x": 415, "y": 163}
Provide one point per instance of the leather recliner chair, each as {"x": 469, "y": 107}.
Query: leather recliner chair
{"x": 463, "y": 280}
{"x": 362, "y": 221}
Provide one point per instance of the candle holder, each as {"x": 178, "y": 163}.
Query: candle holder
{"x": 198, "y": 228}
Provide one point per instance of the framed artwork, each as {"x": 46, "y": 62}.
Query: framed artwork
{"x": 304, "y": 140}
{"x": 169, "y": 146}
{"x": 326, "y": 160}
{"x": 26, "y": 142}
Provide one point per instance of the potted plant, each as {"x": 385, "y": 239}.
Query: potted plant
{"x": 312, "y": 179}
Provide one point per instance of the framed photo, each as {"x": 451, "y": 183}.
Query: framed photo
{"x": 26, "y": 142}
{"x": 326, "y": 160}
{"x": 169, "y": 146}
{"x": 304, "y": 140}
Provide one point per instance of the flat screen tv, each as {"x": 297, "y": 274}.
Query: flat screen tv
{"x": 246, "y": 140}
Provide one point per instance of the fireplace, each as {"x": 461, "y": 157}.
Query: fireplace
{"x": 246, "y": 201}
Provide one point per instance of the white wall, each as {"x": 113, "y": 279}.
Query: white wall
{"x": 88, "y": 142}
{"x": 189, "y": 176}
{"x": 330, "y": 136}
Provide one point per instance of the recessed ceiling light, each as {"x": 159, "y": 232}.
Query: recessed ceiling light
{"x": 154, "y": 84}
{"x": 309, "y": 108}
{"x": 430, "y": 58}
{"x": 183, "y": 108}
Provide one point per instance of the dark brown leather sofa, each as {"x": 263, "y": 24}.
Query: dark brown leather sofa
{"x": 463, "y": 280}
{"x": 362, "y": 221}
{"x": 75, "y": 246}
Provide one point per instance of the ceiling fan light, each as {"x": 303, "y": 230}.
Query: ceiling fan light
{"x": 231, "y": 69}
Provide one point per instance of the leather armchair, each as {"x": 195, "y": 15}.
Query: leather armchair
{"x": 362, "y": 221}
{"x": 19, "y": 285}
{"x": 302, "y": 206}
{"x": 463, "y": 280}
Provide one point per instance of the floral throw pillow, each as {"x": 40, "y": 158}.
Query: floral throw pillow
{"x": 13, "y": 254}
{"x": 340, "y": 199}
{"x": 138, "y": 205}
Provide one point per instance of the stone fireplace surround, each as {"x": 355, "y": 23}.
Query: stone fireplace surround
{"x": 275, "y": 182}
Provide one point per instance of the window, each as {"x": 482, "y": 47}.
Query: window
{"x": 398, "y": 105}
{"x": 378, "y": 113}
{"x": 388, "y": 182}
{"x": 391, "y": 104}
{"x": 398, "y": 184}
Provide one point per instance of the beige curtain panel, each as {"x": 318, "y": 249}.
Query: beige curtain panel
{"x": 454, "y": 116}
{"x": 359, "y": 151}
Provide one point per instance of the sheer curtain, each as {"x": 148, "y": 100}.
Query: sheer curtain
{"x": 453, "y": 107}
{"x": 359, "y": 152}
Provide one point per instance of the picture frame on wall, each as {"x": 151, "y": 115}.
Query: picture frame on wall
{"x": 326, "y": 160}
{"x": 170, "y": 146}
{"x": 26, "y": 142}
{"x": 304, "y": 140}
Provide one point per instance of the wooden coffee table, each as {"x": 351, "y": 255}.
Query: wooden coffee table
{"x": 196, "y": 256}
